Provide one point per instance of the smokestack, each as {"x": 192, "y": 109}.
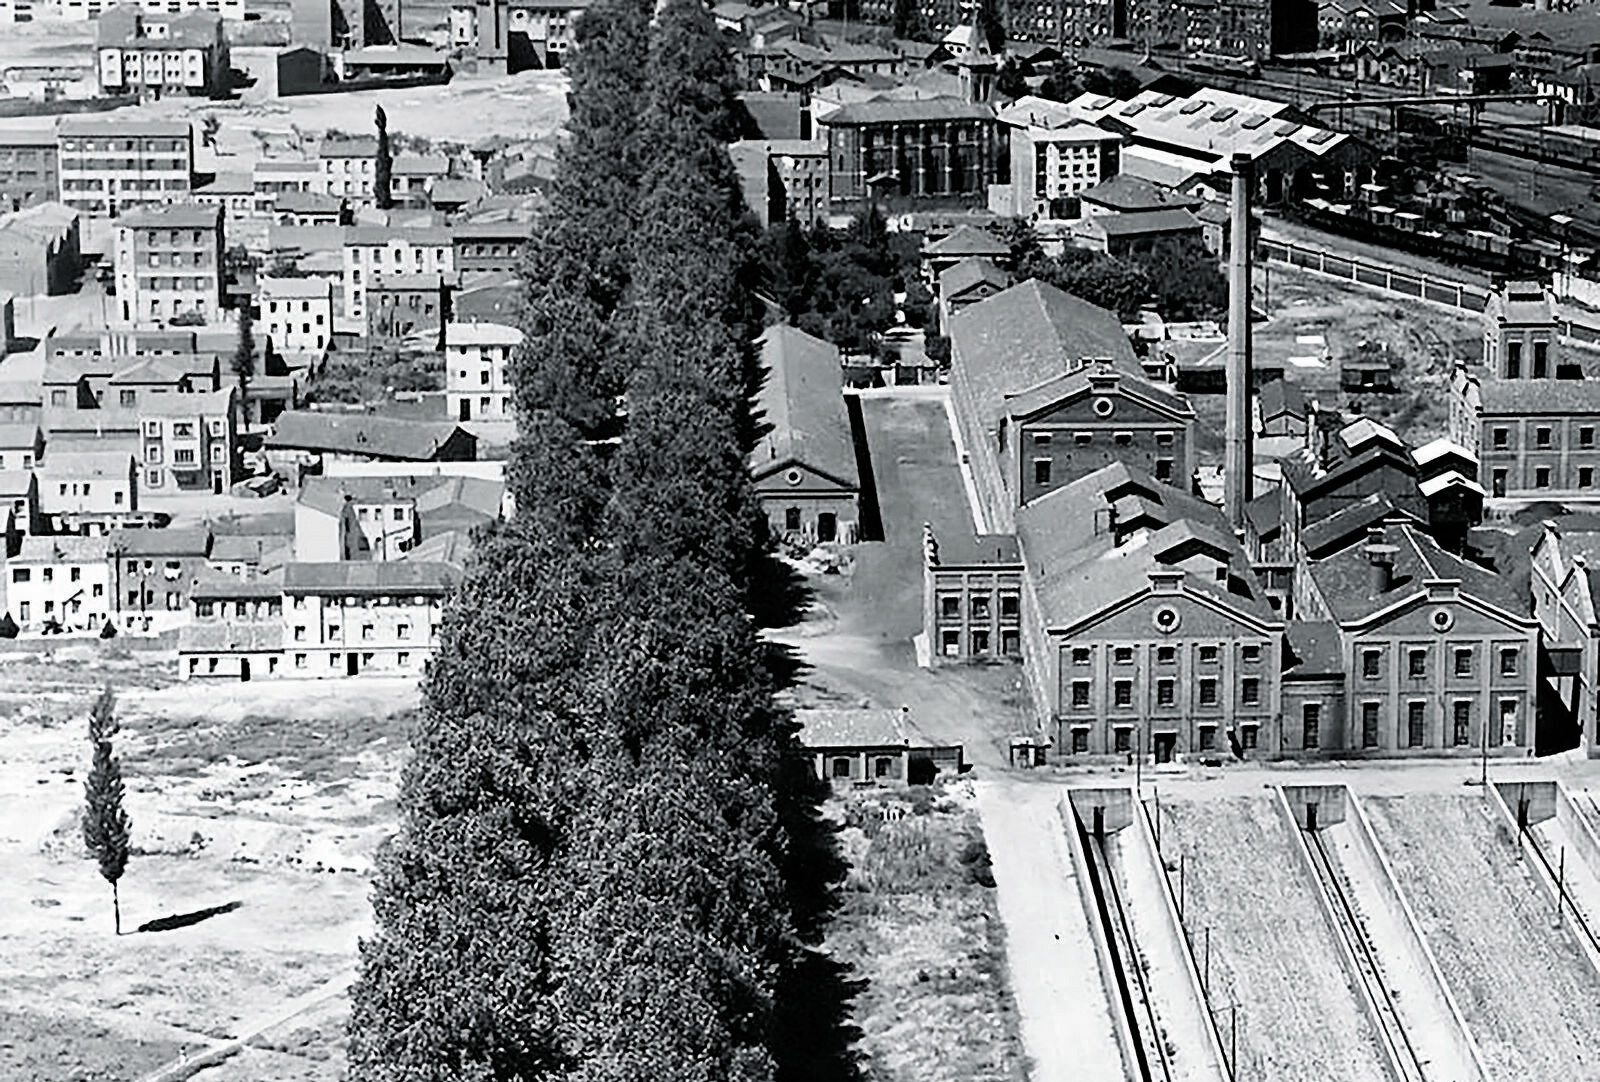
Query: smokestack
{"x": 1237, "y": 488}
{"x": 1381, "y": 559}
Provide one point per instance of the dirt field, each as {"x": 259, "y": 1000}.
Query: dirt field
{"x": 1531, "y": 1000}
{"x": 265, "y": 802}
{"x": 919, "y": 923}
{"x": 1271, "y": 951}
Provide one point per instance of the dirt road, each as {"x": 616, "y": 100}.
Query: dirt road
{"x": 1055, "y": 974}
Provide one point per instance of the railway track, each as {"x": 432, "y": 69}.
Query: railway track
{"x": 1154, "y": 1064}
{"x": 1391, "y": 1029}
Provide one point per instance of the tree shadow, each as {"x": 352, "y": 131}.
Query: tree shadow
{"x": 779, "y": 594}
{"x": 814, "y": 1039}
{"x": 183, "y": 920}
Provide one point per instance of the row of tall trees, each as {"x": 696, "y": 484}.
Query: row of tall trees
{"x": 605, "y": 868}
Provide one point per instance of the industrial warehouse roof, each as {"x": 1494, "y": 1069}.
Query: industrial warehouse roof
{"x": 802, "y": 400}
{"x": 1029, "y": 334}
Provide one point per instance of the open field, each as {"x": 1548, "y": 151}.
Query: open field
{"x": 1530, "y": 997}
{"x": 1271, "y": 950}
{"x": 919, "y": 923}
{"x": 263, "y": 803}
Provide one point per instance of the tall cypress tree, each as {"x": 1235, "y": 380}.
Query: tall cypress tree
{"x": 383, "y": 165}
{"x": 106, "y": 826}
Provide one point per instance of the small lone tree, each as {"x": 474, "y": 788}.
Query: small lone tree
{"x": 105, "y": 823}
{"x": 384, "y": 166}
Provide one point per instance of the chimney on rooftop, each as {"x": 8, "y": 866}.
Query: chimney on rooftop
{"x": 1237, "y": 466}
{"x": 1380, "y": 558}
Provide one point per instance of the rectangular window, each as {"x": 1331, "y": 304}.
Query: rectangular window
{"x": 980, "y": 606}
{"x": 1208, "y": 691}
{"x": 1010, "y": 606}
{"x": 1163, "y": 469}
{"x": 1417, "y": 663}
{"x": 1513, "y": 360}
{"x": 1208, "y": 737}
{"x": 1369, "y": 725}
{"x": 1081, "y": 655}
{"x": 1080, "y": 741}
{"x": 1541, "y": 360}
{"x": 1415, "y": 725}
{"x": 1124, "y": 655}
{"x": 21, "y": 574}
{"x": 1166, "y": 655}
{"x": 1586, "y": 436}
{"x": 1541, "y": 436}
{"x": 1166, "y": 692}
{"x": 1250, "y": 691}
{"x": 1508, "y": 662}
{"x": 1249, "y": 737}
{"x": 1123, "y": 693}
{"x": 980, "y": 642}
{"x": 1208, "y": 655}
{"x": 1041, "y": 471}
{"x": 1010, "y": 642}
{"x": 1463, "y": 662}
{"x": 1585, "y": 476}
{"x": 1501, "y": 438}
{"x": 1541, "y": 477}
{"x": 1462, "y": 723}
{"x": 1122, "y": 739}
{"x": 1080, "y": 693}
{"x": 950, "y": 642}
{"x": 1250, "y": 653}
{"x": 1369, "y": 664}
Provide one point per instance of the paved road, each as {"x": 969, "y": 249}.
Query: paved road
{"x": 1061, "y": 998}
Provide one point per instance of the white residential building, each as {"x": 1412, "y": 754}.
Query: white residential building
{"x": 110, "y": 166}
{"x": 297, "y": 314}
{"x": 476, "y": 358}
{"x": 65, "y": 580}
{"x": 349, "y": 618}
{"x": 348, "y": 165}
{"x": 186, "y": 441}
{"x": 169, "y": 263}
{"x": 377, "y": 250}
{"x": 87, "y": 483}
{"x": 87, "y": 10}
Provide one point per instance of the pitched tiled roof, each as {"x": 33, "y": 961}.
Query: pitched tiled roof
{"x": 962, "y": 549}
{"x": 1280, "y": 398}
{"x": 1344, "y": 579}
{"x": 1523, "y": 397}
{"x": 1099, "y": 377}
{"x": 371, "y": 577}
{"x": 19, "y": 434}
{"x": 892, "y": 111}
{"x": 361, "y": 434}
{"x": 802, "y": 400}
{"x": 851, "y": 728}
{"x": 62, "y": 549}
{"x": 176, "y": 541}
{"x": 173, "y": 216}
{"x": 1129, "y": 193}
{"x": 1028, "y": 334}
{"x": 968, "y": 273}
{"x": 211, "y": 585}
{"x": 87, "y": 463}
{"x": 266, "y": 549}
{"x": 1123, "y": 224}
{"x": 16, "y": 483}
{"x": 1349, "y": 525}
{"x": 968, "y": 241}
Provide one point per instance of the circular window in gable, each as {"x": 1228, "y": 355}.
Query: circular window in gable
{"x": 1442, "y": 619}
{"x": 1166, "y": 619}
{"x": 793, "y": 477}
{"x": 1103, "y": 407}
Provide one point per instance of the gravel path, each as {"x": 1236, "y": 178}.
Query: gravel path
{"x": 1527, "y": 992}
{"x": 1055, "y": 975}
{"x": 1272, "y": 952}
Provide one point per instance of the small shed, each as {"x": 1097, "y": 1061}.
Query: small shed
{"x": 873, "y": 747}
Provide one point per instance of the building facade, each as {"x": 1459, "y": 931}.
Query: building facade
{"x": 373, "y": 251}
{"x": 151, "y": 55}
{"x": 169, "y": 262}
{"x": 1050, "y": 166}
{"x": 297, "y": 314}
{"x": 108, "y": 167}
{"x": 187, "y": 442}
{"x": 29, "y": 167}
{"x": 348, "y": 164}
{"x": 345, "y": 619}
{"x": 908, "y": 152}
{"x": 59, "y": 583}
{"x": 476, "y": 356}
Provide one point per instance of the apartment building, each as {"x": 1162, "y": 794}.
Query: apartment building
{"x": 272, "y": 177}
{"x": 348, "y": 164}
{"x": 297, "y": 314}
{"x": 1054, "y": 158}
{"x": 489, "y": 247}
{"x": 85, "y": 484}
{"x": 169, "y": 262}
{"x": 108, "y": 166}
{"x": 400, "y": 305}
{"x": 186, "y": 442}
{"x": 152, "y": 572}
{"x": 371, "y": 251}
{"x": 476, "y": 356}
{"x": 59, "y": 583}
{"x": 349, "y": 618}
{"x": 516, "y": 35}
{"x": 29, "y": 167}
{"x": 155, "y": 54}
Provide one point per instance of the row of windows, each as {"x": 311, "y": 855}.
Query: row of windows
{"x": 298, "y": 601}
{"x": 1417, "y": 662}
{"x": 1543, "y": 435}
{"x": 1249, "y": 653}
{"x": 242, "y": 610}
{"x": 47, "y": 574}
{"x": 979, "y": 606}
{"x": 73, "y": 607}
{"x": 335, "y": 661}
{"x": 1167, "y": 692}
{"x": 179, "y": 284}
{"x": 1044, "y": 470}
{"x": 368, "y": 632}
{"x": 1122, "y": 738}
{"x": 288, "y": 306}
{"x": 1416, "y": 723}
{"x": 980, "y": 643}
{"x": 149, "y": 146}
{"x": 1541, "y": 360}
